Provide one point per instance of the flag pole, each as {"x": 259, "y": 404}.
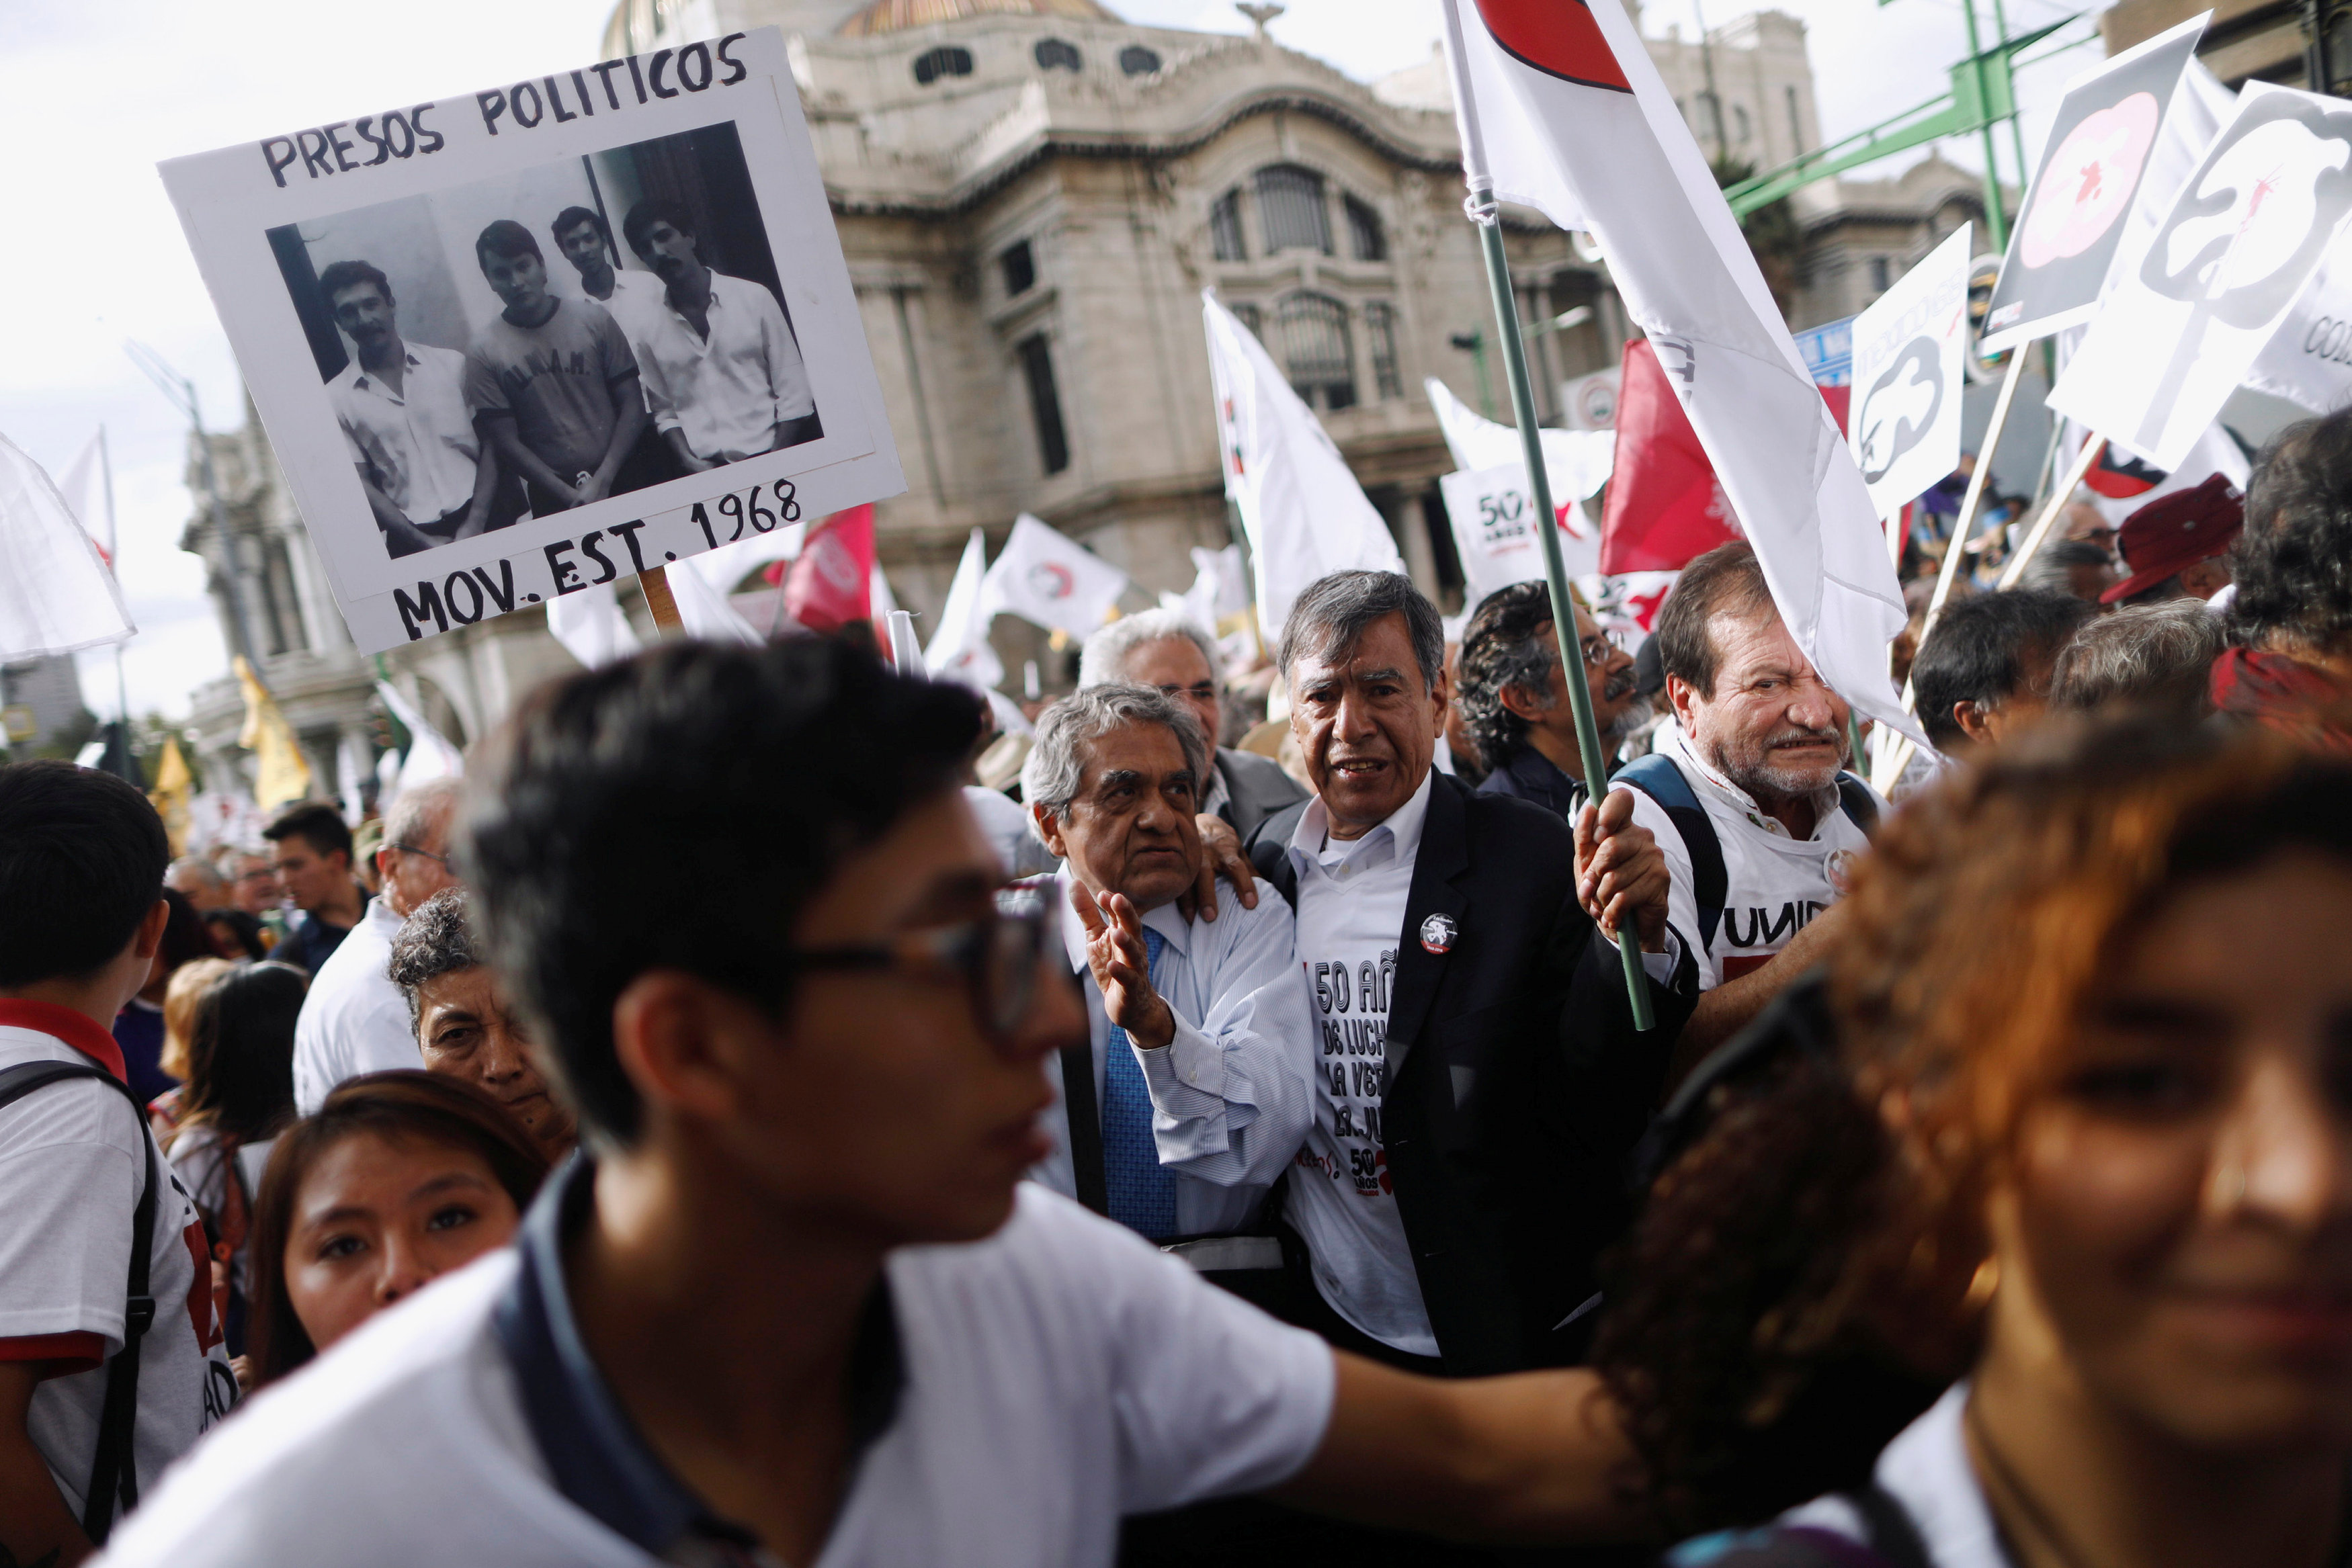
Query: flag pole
{"x": 1483, "y": 213}
{"x": 114, "y": 565}
{"x": 654, "y": 581}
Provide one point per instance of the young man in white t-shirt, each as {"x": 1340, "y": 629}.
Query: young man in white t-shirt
{"x": 82, "y": 856}
{"x": 1758, "y": 747}
{"x": 793, "y": 1302}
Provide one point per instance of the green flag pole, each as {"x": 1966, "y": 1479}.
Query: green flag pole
{"x": 1482, "y": 210}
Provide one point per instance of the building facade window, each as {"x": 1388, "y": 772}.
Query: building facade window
{"x": 1365, "y": 234}
{"x": 1796, "y": 123}
{"x": 1044, "y": 402}
{"x": 1020, "y": 264}
{"x": 1059, "y": 55}
{"x": 1879, "y": 274}
{"x": 1291, "y": 207}
{"x": 1379, "y": 340}
{"x": 1740, "y": 126}
{"x": 1225, "y": 227}
{"x": 1317, "y": 353}
{"x": 947, "y": 60}
{"x": 1137, "y": 61}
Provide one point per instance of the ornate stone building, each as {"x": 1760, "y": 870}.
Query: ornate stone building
{"x": 1031, "y": 194}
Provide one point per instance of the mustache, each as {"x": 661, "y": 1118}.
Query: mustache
{"x": 1802, "y": 734}
{"x": 1620, "y": 683}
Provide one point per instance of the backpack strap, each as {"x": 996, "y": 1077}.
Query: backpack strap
{"x": 1659, "y": 778}
{"x": 1892, "y": 1534}
{"x": 1859, "y": 803}
{"x": 114, "y": 1470}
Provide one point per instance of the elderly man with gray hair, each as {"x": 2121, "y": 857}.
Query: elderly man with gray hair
{"x": 355, "y": 1020}
{"x": 1167, "y": 649}
{"x": 2157, "y": 656}
{"x": 1190, "y": 1094}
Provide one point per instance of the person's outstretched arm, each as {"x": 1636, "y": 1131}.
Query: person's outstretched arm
{"x": 1535, "y": 1456}
{"x": 34, "y": 1528}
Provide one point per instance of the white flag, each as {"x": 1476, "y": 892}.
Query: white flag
{"x": 1051, "y": 579}
{"x": 1494, "y": 537}
{"x": 1576, "y": 462}
{"x": 56, "y": 594}
{"x": 430, "y": 754}
{"x": 2239, "y": 244}
{"x": 590, "y": 625}
{"x": 1561, "y": 109}
{"x": 1908, "y": 349}
{"x": 960, "y": 650}
{"x": 1304, "y": 512}
{"x": 704, "y": 613}
{"x": 350, "y": 771}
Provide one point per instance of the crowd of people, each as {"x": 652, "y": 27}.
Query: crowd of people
{"x": 1179, "y": 1157}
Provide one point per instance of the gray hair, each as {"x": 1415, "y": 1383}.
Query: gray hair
{"x": 1057, "y": 762}
{"x": 417, "y": 810}
{"x": 1334, "y": 613}
{"x": 438, "y": 939}
{"x": 1103, "y": 662}
{"x": 2158, "y": 654}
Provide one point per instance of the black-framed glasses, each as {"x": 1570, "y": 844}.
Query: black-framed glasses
{"x": 447, "y": 863}
{"x": 996, "y": 956}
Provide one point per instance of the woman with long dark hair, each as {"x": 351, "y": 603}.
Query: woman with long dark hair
{"x": 238, "y": 1094}
{"x": 399, "y": 1179}
{"x": 2081, "y": 1150}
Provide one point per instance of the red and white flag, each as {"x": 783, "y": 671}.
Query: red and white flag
{"x": 831, "y": 582}
{"x": 1664, "y": 504}
{"x": 1046, "y": 577}
{"x": 1563, "y": 110}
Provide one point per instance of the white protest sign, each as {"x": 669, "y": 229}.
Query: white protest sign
{"x": 1908, "y": 349}
{"x": 685, "y": 175}
{"x": 2308, "y": 360}
{"x": 1495, "y": 531}
{"x": 2227, "y": 263}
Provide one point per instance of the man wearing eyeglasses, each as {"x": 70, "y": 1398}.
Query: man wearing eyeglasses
{"x": 1162, "y": 648}
{"x": 354, "y": 1019}
{"x": 1515, "y": 700}
{"x": 793, "y": 1302}
{"x": 1190, "y": 1094}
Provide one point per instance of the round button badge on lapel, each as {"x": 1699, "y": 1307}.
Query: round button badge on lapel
{"x": 1437, "y": 933}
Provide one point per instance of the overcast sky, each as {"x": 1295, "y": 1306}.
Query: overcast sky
{"x": 92, "y": 95}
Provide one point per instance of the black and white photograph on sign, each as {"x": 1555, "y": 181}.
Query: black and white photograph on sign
{"x": 519, "y": 345}
{"x": 2231, "y": 257}
{"x": 515, "y": 343}
{"x": 2090, "y": 171}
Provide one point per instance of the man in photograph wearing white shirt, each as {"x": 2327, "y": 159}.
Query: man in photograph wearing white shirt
{"x": 1747, "y": 794}
{"x": 792, "y": 1302}
{"x": 722, "y": 372}
{"x": 633, "y": 297}
{"x": 81, "y": 916}
{"x": 355, "y": 1019}
{"x": 429, "y": 475}
{"x": 1479, "y": 1077}
{"x": 1190, "y": 1094}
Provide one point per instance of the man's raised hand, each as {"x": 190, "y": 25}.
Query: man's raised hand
{"x": 1121, "y": 967}
{"x": 1620, "y": 872}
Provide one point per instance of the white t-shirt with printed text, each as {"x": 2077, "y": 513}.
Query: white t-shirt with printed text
{"x": 1774, "y": 884}
{"x": 1351, "y": 902}
{"x": 73, "y": 1161}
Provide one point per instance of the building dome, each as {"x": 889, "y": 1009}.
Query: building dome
{"x": 900, "y": 16}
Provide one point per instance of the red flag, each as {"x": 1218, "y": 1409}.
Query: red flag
{"x": 1664, "y": 506}
{"x": 830, "y": 585}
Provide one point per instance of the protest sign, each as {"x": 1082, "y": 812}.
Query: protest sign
{"x": 485, "y": 331}
{"x": 2308, "y": 360}
{"x": 2239, "y": 244}
{"x": 1908, "y": 349}
{"x": 2076, "y": 209}
{"x": 1494, "y": 522}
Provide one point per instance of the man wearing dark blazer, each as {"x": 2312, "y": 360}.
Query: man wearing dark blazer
{"x": 1164, "y": 648}
{"x": 1479, "y": 1080}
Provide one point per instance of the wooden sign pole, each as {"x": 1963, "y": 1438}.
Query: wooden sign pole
{"x": 654, "y": 581}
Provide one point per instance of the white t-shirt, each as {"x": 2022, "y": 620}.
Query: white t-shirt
{"x": 1927, "y": 1470}
{"x": 73, "y": 1161}
{"x": 1351, "y": 903}
{"x": 1057, "y": 1375}
{"x": 354, "y": 1019}
{"x": 1774, "y": 884}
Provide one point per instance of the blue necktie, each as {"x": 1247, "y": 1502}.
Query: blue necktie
{"x": 1141, "y": 1192}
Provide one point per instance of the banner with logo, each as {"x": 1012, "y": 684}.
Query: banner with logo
{"x": 1051, "y": 579}
{"x": 2237, "y": 248}
{"x": 1908, "y": 349}
{"x": 2076, "y": 209}
{"x": 1495, "y": 520}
